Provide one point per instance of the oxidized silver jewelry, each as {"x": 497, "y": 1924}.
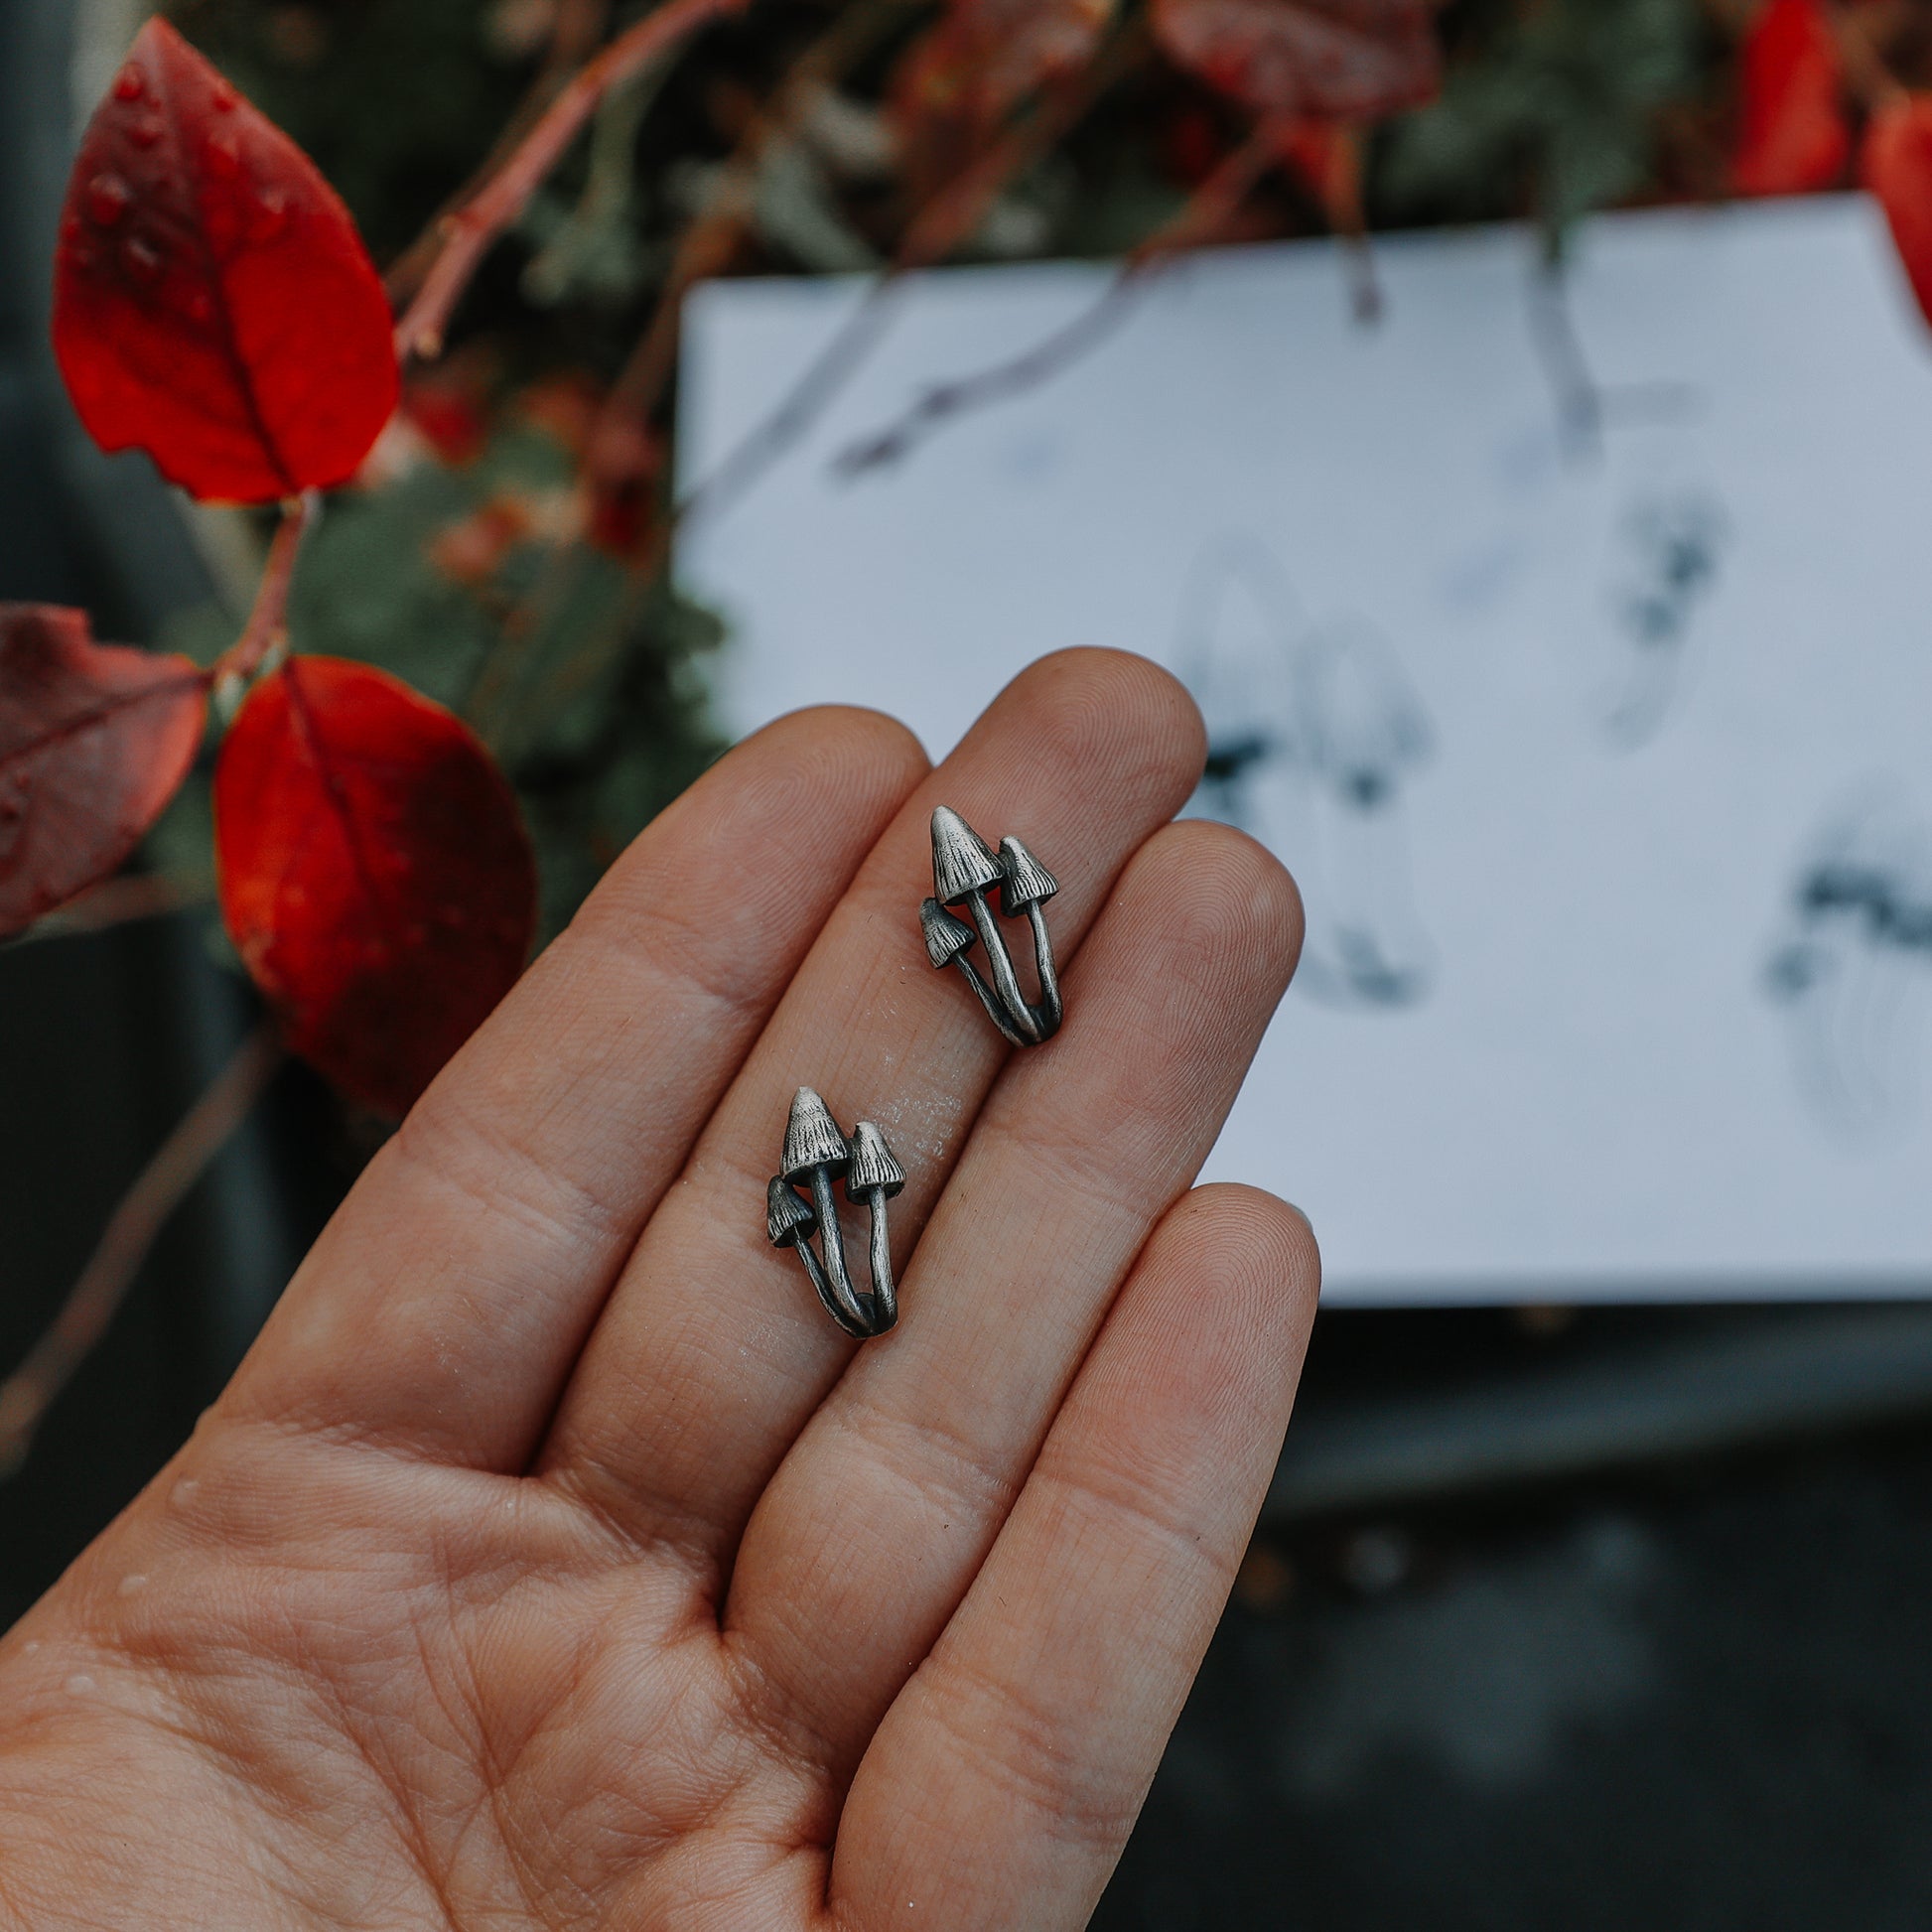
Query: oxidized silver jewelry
{"x": 964, "y": 873}
{"x": 815, "y": 1152}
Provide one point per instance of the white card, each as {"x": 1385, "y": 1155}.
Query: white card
{"x": 1604, "y": 762}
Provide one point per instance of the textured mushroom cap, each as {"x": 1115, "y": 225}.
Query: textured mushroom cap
{"x": 788, "y": 1220}
{"x": 945, "y": 938}
{"x": 1027, "y": 882}
{"x": 961, "y": 864}
{"x": 873, "y": 1164}
{"x": 813, "y": 1137}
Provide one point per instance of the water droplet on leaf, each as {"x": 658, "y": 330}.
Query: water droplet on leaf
{"x": 221, "y": 98}
{"x": 141, "y": 259}
{"x": 128, "y": 84}
{"x": 107, "y": 198}
{"x": 271, "y": 215}
{"x": 222, "y": 155}
{"x": 144, "y": 132}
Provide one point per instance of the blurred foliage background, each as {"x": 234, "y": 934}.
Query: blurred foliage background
{"x": 505, "y": 548}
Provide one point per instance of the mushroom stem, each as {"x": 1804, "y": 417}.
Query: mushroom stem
{"x": 1047, "y": 1015}
{"x": 824, "y": 1287}
{"x": 990, "y": 1001}
{"x": 885, "y": 1293}
{"x": 1025, "y": 1021}
{"x": 845, "y": 1303}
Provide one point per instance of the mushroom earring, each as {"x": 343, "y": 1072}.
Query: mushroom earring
{"x": 964, "y": 873}
{"x": 816, "y": 1152}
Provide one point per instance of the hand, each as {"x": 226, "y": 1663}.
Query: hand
{"x": 554, "y": 1562}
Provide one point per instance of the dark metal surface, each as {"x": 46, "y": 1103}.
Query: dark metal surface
{"x": 815, "y": 1154}
{"x": 965, "y": 872}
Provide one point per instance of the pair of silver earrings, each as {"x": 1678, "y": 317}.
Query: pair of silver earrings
{"x": 798, "y": 1203}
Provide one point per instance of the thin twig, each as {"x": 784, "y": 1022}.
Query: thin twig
{"x": 182, "y": 1159}
{"x": 933, "y": 233}
{"x": 470, "y": 232}
{"x": 705, "y": 249}
{"x": 937, "y": 229}
{"x": 267, "y": 623}
{"x": 577, "y": 28}
{"x": 1207, "y": 211}
{"x": 118, "y": 902}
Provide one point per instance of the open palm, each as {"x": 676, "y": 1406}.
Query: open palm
{"x": 554, "y": 1562}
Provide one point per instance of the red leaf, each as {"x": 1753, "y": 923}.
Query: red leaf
{"x": 94, "y": 740}
{"x": 1898, "y": 169}
{"x": 1792, "y": 136}
{"x": 374, "y": 873}
{"x": 1338, "y": 60}
{"x": 212, "y": 302}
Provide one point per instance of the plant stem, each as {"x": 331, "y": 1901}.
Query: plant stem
{"x": 118, "y": 902}
{"x": 181, "y": 1160}
{"x": 268, "y": 620}
{"x": 932, "y": 234}
{"x": 1205, "y": 213}
{"x": 470, "y": 232}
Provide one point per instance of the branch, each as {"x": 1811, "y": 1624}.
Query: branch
{"x": 267, "y": 623}
{"x": 117, "y": 901}
{"x": 181, "y": 1160}
{"x": 933, "y": 233}
{"x": 1861, "y": 59}
{"x": 470, "y": 232}
{"x": 577, "y": 28}
{"x": 1204, "y": 215}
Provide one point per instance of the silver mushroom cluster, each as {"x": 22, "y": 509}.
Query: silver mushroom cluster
{"x": 798, "y": 1203}
{"x": 965, "y": 872}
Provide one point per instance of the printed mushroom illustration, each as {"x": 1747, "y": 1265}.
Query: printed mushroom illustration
{"x": 871, "y": 1179}
{"x": 964, "y": 873}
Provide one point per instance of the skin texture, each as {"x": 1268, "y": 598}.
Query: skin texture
{"x": 553, "y": 1562}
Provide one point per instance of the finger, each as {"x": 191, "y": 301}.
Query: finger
{"x": 444, "y": 1306}
{"x": 1004, "y": 1779}
{"x": 713, "y": 1352}
{"x": 878, "y": 1519}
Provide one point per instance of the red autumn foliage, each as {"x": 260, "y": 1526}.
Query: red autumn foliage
{"x": 1324, "y": 157}
{"x": 1336, "y": 59}
{"x": 960, "y": 77}
{"x": 374, "y": 873}
{"x": 449, "y": 414}
{"x": 1897, "y": 167}
{"x": 94, "y": 740}
{"x": 213, "y": 303}
{"x": 1792, "y": 136}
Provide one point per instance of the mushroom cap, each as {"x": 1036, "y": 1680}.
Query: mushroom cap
{"x": 813, "y": 1137}
{"x": 788, "y": 1220}
{"x": 873, "y": 1164}
{"x": 945, "y": 938}
{"x": 961, "y": 864}
{"x": 1026, "y": 882}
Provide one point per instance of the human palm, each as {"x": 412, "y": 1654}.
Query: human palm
{"x": 554, "y": 1562}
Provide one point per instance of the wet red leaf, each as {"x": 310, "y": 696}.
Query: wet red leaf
{"x": 1898, "y": 163}
{"x": 374, "y": 873}
{"x": 94, "y": 740}
{"x": 213, "y": 303}
{"x": 1792, "y": 135}
{"x": 1342, "y": 60}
